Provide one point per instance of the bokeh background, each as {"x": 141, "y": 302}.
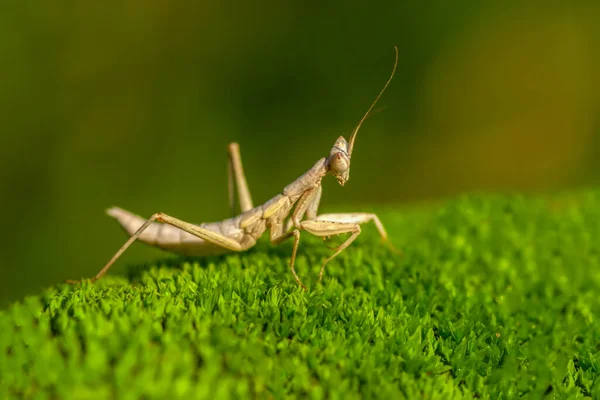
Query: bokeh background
{"x": 133, "y": 104}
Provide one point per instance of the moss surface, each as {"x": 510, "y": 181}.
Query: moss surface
{"x": 495, "y": 297}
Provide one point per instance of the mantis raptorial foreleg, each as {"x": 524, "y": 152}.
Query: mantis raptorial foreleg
{"x": 236, "y": 173}
{"x": 336, "y": 224}
{"x": 202, "y": 233}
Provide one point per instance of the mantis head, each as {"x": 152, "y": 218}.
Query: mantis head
{"x": 341, "y": 152}
{"x": 339, "y": 160}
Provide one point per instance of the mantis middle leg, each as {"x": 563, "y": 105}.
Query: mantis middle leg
{"x": 280, "y": 235}
{"x": 336, "y": 224}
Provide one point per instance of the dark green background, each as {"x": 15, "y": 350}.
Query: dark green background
{"x": 134, "y": 104}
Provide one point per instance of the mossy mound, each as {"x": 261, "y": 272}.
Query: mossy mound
{"x": 494, "y": 297}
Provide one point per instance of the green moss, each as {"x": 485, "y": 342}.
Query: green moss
{"x": 495, "y": 297}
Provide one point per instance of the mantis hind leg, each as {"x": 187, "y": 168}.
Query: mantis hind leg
{"x": 236, "y": 176}
{"x": 202, "y": 233}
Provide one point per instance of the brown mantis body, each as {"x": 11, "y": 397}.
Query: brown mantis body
{"x": 239, "y": 233}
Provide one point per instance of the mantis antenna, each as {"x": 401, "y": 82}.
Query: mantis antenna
{"x": 355, "y": 131}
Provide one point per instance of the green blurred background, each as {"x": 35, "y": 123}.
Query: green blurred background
{"x": 133, "y": 104}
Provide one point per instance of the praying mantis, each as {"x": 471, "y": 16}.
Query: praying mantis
{"x": 239, "y": 233}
